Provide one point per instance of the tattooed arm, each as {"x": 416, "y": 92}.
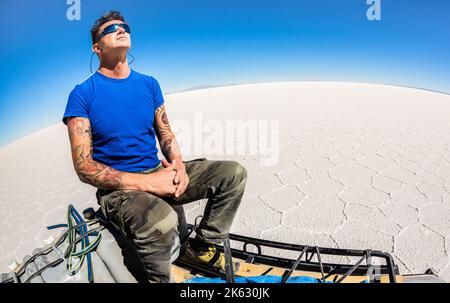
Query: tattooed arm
{"x": 167, "y": 141}
{"x": 170, "y": 149}
{"x": 88, "y": 170}
{"x": 102, "y": 176}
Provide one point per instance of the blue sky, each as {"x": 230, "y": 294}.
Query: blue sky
{"x": 215, "y": 42}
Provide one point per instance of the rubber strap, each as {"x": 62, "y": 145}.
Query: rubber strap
{"x": 214, "y": 258}
{"x": 229, "y": 272}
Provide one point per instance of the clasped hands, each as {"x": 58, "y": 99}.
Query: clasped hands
{"x": 180, "y": 179}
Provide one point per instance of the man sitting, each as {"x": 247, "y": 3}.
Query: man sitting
{"x": 112, "y": 118}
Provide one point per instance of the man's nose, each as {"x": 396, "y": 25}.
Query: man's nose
{"x": 121, "y": 30}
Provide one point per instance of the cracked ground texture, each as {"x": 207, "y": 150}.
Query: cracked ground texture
{"x": 360, "y": 166}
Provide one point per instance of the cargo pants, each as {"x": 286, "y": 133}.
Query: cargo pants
{"x": 152, "y": 223}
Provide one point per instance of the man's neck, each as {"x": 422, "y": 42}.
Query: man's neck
{"x": 115, "y": 67}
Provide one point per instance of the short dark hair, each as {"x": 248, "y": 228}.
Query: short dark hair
{"x": 108, "y": 16}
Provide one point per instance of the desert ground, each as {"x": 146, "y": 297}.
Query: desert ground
{"x": 352, "y": 165}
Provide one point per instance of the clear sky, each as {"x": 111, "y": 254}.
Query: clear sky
{"x": 188, "y": 43}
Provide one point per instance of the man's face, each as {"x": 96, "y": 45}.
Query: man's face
{"x": 116, "y": 40}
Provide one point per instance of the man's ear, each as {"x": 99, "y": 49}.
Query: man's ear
{"x": 96, "y": 48}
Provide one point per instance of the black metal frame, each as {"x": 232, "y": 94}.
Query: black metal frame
{"x": 345, "y": 270}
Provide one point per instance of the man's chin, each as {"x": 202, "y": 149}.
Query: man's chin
{"x": 121, "y": 48}
{"x": 124, "y": 43}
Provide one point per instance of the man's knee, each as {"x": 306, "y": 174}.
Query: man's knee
{"x": 149, "y": 217}
{"x": 234, "y": 173}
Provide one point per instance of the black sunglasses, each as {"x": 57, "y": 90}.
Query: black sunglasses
{"x": 113, "y": 28}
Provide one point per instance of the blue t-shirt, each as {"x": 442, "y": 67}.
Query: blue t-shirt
{"x": 121, "y": 113}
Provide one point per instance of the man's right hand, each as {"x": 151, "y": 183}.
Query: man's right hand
{"x": 161, "y": 183}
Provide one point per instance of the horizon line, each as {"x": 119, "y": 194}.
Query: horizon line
{"x": 208, "y": 86}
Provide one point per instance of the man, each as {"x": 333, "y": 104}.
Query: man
{"x": 112, "y": 118}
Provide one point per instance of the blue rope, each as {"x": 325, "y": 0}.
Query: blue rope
{"x": 56, "y": 226}
{"x": 86, "y": 246}
{"x": 85, "y": 241}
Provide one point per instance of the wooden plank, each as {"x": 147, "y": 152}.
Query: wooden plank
{"x": 251, "y": 270}
{"x": 180, "y": 274}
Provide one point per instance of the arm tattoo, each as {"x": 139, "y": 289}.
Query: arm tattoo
{"x": 89, "y": 170}
{"x": 167, "y": 140}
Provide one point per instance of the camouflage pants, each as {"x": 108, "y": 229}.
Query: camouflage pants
{"x": 151, "y": 222}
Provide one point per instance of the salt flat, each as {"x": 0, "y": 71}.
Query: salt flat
{"x": 360, "y": 166}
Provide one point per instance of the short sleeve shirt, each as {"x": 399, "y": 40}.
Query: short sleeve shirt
{"x": 121, "y": 113}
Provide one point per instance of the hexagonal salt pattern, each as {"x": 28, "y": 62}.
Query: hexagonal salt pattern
{"x": 361, "y": 166}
